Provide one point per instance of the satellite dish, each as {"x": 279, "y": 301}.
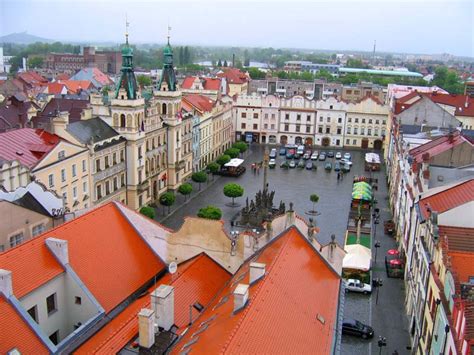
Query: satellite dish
{"x": 172, "y": 267}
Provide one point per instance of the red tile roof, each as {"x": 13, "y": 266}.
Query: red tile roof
{"x": 462, "y": 264}
{"x": 55, "y": 88}
{"x": 234, "y": 76}
{"x": 283, "y": 306}
{"x": 197, "y": 280}
{"x": 27, "y": 145}
{"x": 199, "y": 102}
{"x": 32, "y": 78}
{"x": 62, "y": 76}
{"x": 463, "y": 104}
{"x": 76, "y": 86}
{"x": 15, "y": 333}
{"x": 447, "y": 199}
{"x": 458, "y": 238}
{"x": 207, "y": 83}
{"x": 73, "y": 106}
{"x": 438, "y": 146}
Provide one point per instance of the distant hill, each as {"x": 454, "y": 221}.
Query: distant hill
{"x": 23, "y": 38}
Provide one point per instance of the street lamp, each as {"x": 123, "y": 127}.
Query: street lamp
{"x": 381, "y": 343}
{"x": 377, "y": 283}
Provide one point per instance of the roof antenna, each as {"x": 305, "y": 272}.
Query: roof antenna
{"x": 169, "y": 35}
{"x": 126, "y": 29}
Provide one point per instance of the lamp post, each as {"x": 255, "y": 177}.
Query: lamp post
{"x": 377, "y": 246}
{"x": 377, "y": 283}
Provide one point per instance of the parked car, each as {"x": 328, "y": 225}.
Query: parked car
{"x": 314, "y": 156}
{"x": 300, "y": 150}
{"x": 301, "y": 164}
{"x": 308, "y": 151}
{"x": 328, "y": 166}
{"x": 330, "y": 154}
{"x": 272, "y": 163}
{"x": 346, "y": 168}
{"x": 345, "y": 161}
{"x": 322, "y": 156}
{"x": 356, "y": 328}
{"x": 290, "y": 154}
{"x": 355, "y": 285}
{"x": 284, "y": 165}
{"x": 282, "y": 151}
{"x": 338, "y": 155}
{"x": 306, "y": 156}
{"x": 309, "y": 166}
{"x": 292, "y": 164}
{"x": 337, "y": 166}
{"x": 273, "y": 153}
{"x": 348, "y": 156}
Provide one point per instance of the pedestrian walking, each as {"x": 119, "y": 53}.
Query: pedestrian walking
{"x": 338, "y": 176}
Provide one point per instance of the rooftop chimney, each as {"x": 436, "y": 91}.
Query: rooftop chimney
{"x": 59, "y": 248}
{"x": 241, "y": 296}
{"x": 146, "y": 329}
{"x": 6, "y": 287}
{"x": 257, "y": 271}
{"x": 162, "y": 301}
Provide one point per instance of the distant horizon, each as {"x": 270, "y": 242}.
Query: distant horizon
{"x": 401, "y": 27}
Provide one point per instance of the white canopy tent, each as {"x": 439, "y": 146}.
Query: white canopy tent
{"x": 358, "y": 257}
{"x": 234, "y": 163}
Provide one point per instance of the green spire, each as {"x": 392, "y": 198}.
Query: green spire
{"x": 128, "y": 82}
{"x": 168, "y": 75}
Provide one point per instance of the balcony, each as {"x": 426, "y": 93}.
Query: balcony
{"x": 144, "y": 185}
{"x": 155, "y": 151}
{"x": 180, "y": 165}
{"x": 108, "y": 172}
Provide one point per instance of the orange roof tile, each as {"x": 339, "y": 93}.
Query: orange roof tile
{"x": 234, "y": 76}
{"x": 197, "y": 280}
{"x": 447, "y": 199}
{"x": 75, "y": 86}
{"x": 200, "y": 102}
{"x": 462, "y": 264}
{"x": 15, "y": 333}
{"x": 458, "y": 238}
{"x": 283, "y": 306}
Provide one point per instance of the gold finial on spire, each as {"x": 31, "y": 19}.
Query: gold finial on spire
{"x": 126, "y": 29}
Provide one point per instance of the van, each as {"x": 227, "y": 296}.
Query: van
{"x": 273, "y": 153}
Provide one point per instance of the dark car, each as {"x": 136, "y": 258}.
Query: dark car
{"x": 337, "y": 166}
{"x": 309, "y": 166}
{"x": 356, "y": 328}
{"x": 282, "y": 151}
{"x": 290, "y": 154}
{"x": 330, "y": 154}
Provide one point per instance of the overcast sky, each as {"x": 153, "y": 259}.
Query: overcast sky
{"x": 414, "y": 26}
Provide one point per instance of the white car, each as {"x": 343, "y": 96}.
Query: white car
{"x": 338, "y": 155}
{"x": 347, "y": 156}
{"x": 358, "y": 286}
{"x": 314, "y": 156}
{"x": 345, "y": 161}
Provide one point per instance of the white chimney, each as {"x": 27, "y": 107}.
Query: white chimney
{"x": 257, "y": 271}
{"x": 146, "y": 328}
{"x": 59, "y": 248}
{"x": 241, "y": 296}
{"x": 162, "y": 301}
{"x": 6, "y": 287}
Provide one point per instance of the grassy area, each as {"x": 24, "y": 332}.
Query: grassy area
{"x": 364, "y": 240}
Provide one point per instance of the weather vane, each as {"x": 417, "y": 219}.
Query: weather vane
{"x": 126, "y": 28}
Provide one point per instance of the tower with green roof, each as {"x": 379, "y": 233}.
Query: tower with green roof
{"x": 127, "y": 82}
{"x": 168, "y": 75}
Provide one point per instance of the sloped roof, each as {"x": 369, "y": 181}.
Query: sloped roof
{"x": 463, "y": 104}
{"x": 30, "y": 202}
{"x": 234, "y": 76}
{"x": 207, "y": 83}
{"x": 449, "y": 198}
{"x": 75, "y": 86}
{"x": 200, "y": 102}
{"x": 27, "y": 145}
{"x": 94, "y": 75}
{"x": 15, "y": 333}
{"x": 462, "y": 264}
{"x": 438, "y": 146}
{"x": 91, "y": 131}
{"x": 458, "y": 238}
{"x": 197, "y": 280}
{"x": 283, "y": 308}
{"x": 55, "y": 88}
{"x": 55, "y": 105}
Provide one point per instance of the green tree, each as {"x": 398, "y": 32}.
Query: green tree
{"x": 148, "y": 211}
{"x": 225, "y": 63}
{"x": 355, "y": 63}
{"x": 314, "y": 199}
{"x": 210, "y": 212}
{"x": 241, "y": 146}
{"x": 199, "y": 177}
{"x": 213, "y": 168}
{"x": 143, "y": 80}
{"x": 35, "y": 62}
{"x": 246, "y": 58}
{"x": 232, "y": 152}
{"x": 223, "y": 159}
{"x": 167, "y": 199}
{"x": 448, "y": 80}
{"x": 185, "y": 190}
{"x": 15, "y": 63}
{"x": 233, "y": 190}
{"x": 256, "y": 73}
{"x": 187, "y": 55}
{"x": 219, "y": 63}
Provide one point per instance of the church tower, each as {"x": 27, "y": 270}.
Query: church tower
{"x": 127, "y": 110}
{"x": 168, "y": 97}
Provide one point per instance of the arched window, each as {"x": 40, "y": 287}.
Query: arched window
{"x": 170, "y": 109}
{"x": 163, "y": 109}
{"x": 129, "y": 120}
{"x": 122, "y": 120}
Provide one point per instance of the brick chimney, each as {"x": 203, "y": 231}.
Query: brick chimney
{"x": 257, "y": 271}
{"x": 162, "y": 302}
{"x": 6, "y": 286}
{"x": 241, "y": 296}
{"x": 146, "y": 328}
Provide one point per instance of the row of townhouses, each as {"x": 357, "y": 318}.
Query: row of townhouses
{"x": 430, "y": 167}
{"x": 128, "y": 146}
{"x": 329, "y": 122}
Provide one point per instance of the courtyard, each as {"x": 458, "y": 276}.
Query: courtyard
{"x": 387, "y": 315}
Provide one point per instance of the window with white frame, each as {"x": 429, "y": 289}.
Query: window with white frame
{"x": 63, "y": 175}
{"x": 16, "y": 239}
{"x": 38, "y": 229}
{"x": 74, "y": 170}
{"x": 84, "y": 166}
{"x": 51, "y": 180}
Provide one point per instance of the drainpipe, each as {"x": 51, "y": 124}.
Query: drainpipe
{"x": 446, "y": 331}
{"x": 424, "y": 305}
{"x": 438, "y": 301}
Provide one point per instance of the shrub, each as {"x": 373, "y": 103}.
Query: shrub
{"x": 185, "y": 190}
{"x": 241, "y": 146}
{"x": 167, "y": 199}
{"x": 199, "y": 177}
{"x": 232, "y": 152}
{"x": 233, "y": 190}
{"x": 210, "y": 212}
{"x": 148, "y": 211}
{"x": 223, "y": 159}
